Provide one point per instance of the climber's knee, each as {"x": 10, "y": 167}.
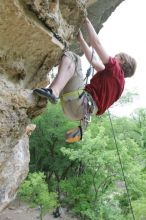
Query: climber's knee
{"x": 68, "y": 64}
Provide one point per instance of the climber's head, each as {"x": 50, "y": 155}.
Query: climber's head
{"x": 128, "y": 64}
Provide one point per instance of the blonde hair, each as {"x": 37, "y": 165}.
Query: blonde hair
{"x": 128, "y": 64}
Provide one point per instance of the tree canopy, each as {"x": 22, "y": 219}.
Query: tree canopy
{"x": 87, "y": 175}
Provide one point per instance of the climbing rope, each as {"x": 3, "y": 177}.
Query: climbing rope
{"x": 121, "y": 165}
{"x": 114, "y": 136}
{"x": 90, "y": 69}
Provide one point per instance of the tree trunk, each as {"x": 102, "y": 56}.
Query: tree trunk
{"x": 41, "y": 212}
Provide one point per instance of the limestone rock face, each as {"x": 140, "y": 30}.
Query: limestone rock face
{"x": 33, "y": 35}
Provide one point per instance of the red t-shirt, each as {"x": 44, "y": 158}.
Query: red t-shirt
{"x": 107, "y": 85}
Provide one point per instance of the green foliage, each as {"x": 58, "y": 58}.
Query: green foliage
{"x": 45, "y": 144}
{"x": 34, "y": 190}
{"x": 47, "y": 138}
{"x": 139, "y": 207}
{"x": 98, "y": 152}
{"x": 88, "y": 173}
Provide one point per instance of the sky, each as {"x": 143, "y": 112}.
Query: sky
{"x": 124, "y": 31}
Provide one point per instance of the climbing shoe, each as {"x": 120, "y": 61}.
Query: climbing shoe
{"x": 74, "y": 135}
{"x": 46, "y": 93}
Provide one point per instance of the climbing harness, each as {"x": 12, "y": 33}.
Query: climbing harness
{"x": 71, "y": 95}
{"x": 121, "y": 165}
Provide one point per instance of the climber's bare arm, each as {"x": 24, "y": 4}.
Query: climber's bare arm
{"x": 88, "y": 53}
{"x": 94, "y": 41}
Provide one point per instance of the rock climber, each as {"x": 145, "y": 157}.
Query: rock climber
{"x": 79, "y": 101}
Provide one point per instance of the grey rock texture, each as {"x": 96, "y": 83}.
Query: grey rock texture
{"x": 33, "y": 35}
